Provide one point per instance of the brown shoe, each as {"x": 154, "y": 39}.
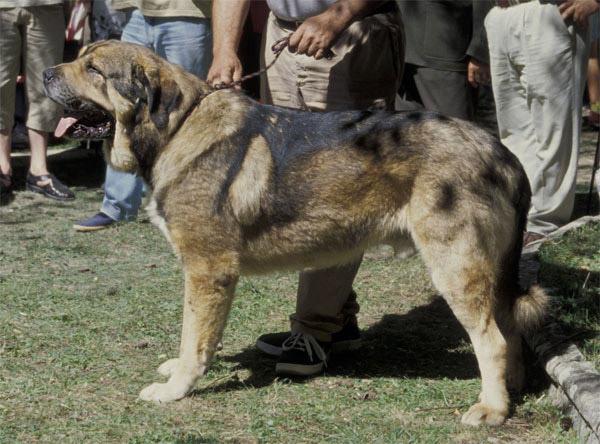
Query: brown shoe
{"x": 530, "y": 236}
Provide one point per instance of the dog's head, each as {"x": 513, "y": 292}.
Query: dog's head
{"x": 123, "y": 93}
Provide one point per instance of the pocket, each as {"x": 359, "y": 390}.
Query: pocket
{"x": 553, "y": 16}
{"x": 378, "y": 57}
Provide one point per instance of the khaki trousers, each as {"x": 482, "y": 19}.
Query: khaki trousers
{"x": 365, "y": 72}
{"x": 36, "y": 36}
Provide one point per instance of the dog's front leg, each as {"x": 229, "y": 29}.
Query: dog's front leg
{"x": 209, "y": 289}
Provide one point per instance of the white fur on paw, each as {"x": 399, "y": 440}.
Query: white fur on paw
{"x": 161, "y": 393}
{"x": 167, "y": 368}
{"x": 481, "y": 414}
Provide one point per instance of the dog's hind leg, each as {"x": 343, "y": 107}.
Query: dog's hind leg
{"x": 209, "y": 289}
{"x": 465, "y": 275}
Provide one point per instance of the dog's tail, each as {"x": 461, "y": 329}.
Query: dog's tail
{"x": 531, "y": 308}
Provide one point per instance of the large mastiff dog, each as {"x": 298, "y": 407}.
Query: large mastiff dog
{"x": 240, "y": 187}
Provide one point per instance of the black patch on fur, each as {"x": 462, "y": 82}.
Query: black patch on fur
{"x": 160, "y": 197}
{"x": 351, "y": 124}
{"x": 294, "y": 135}
{"x": 145, "y": 147}
{"x": 493, "y": 177}
{"x": 447, "y": 200}
{"x": 414, "y": 117}
{"x": 131, "y": 90}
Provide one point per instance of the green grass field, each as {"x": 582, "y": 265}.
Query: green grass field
{"x": 85, "y": 320}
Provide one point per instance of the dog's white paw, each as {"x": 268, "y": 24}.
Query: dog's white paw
{"x": 167, "y": 368}
{"x": 161, "y": 393}
{"x": 482, "y": 414}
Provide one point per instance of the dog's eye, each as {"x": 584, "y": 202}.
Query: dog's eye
{"x": 92, "y": 69}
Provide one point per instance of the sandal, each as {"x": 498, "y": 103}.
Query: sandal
{"x": 530, "y": 236}
{"x": 53, "y": 189}
{"x": 6, "y": 190}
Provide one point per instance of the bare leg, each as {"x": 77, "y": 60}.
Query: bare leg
{"x": 5, "y": 141}
{"x": 38, "y": 142}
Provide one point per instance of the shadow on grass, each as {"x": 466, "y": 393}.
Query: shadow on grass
{"x": 427, "y": 342}
{"x": 86, "y": 169}
{"x": 577, "y": 296}
{"x": 581, "y": 204}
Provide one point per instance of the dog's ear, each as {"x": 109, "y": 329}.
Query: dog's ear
{"x": 160, "y": 92}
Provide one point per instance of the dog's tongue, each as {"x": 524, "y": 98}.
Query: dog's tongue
{"x": 63, "y": 125}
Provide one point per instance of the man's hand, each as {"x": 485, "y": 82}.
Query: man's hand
{"x": 579, "y": 10}
{"x": 228, "y": 17}
{"x": 226, "y": 67}
{"x": 478, "y": 72}
{"x": 317, "y": 34}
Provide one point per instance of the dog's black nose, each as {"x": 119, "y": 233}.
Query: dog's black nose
{"x": 49, "y": 74}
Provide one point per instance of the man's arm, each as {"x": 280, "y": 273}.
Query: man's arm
{"x": 228, "y": 18}
{"x": 580, "y": 10}
{"x": 317, "y": 34}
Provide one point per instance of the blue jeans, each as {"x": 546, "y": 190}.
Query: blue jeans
{"x": 185, "y": 41}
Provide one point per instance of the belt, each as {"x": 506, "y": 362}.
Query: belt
{"x": 509, "y": 3}
{"x": 292, "y": 25}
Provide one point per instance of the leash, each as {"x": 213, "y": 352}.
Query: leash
{"x": 277, "y": 49}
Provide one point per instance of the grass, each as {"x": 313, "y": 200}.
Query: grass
{"x": 570, "y": 266}
{"x": 87, "y": 318}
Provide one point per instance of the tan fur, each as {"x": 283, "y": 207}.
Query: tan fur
{"x": 243, "y": 188}
{"x": 252, "y": 182}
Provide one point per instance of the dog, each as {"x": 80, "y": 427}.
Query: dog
{"x": 242, "y": 188}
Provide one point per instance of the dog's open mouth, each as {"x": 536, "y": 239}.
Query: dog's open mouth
{"x": 95, "y": 124}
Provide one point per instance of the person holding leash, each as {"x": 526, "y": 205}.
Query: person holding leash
{"x": 343, "y": 55}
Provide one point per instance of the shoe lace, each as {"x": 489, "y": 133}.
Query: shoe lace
{"x": 305, "y": 342}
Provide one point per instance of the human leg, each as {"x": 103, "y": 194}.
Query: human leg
{"x": 6, "y": 180}
{"x": 122, "y": 195}
{"x": 43, "y": 42}
{"x": 447, "y": 92}
{"x": 39, "y": 146}
{"x": 10, "y": 54}
{"x": 535, "y": 104}
{"x": 187, "y": 42}
{"x": 5, "y": 166}
{"x": 298, "y": 81}
{"x": 122, "y": 191}
{"x": 593, "y": 85}
{"x": 184, "y": 41}
{"x": 555, "y": 96}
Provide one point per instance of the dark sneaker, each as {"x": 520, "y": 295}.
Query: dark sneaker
{"x": 302, "y": 355}
{"x": 98, "y": 221}
{"x": 348, "y": 338}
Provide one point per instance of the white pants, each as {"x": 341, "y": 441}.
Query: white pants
{"x": 538, "y": 64}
